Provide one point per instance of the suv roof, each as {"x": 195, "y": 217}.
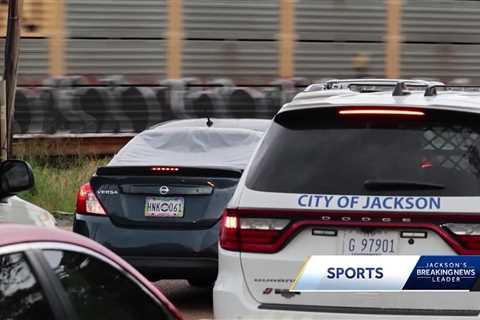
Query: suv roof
{"x": 345, "y": 83}
{"x": 387, "y": 93}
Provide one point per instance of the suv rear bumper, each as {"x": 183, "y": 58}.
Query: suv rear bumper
{"x": 157, "y": 253}
{"x": 232, "y": 300}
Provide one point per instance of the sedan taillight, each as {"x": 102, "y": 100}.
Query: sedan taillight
{"x": 87, "y": 202}
{"x": 250, "y": 234}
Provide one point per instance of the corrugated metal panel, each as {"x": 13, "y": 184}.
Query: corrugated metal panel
{"x": 239, "y": 60}
{"x": 337, "y": 20}
{"x": 441, "y": 61}
{"x": 116, "y": 57}
{"x": 227, "y": 19}
{"x": 334, "y": 60}
{"x": 441, "y": 21}
{"x": 116, "y": 18}
{"x": 33, "y": 56}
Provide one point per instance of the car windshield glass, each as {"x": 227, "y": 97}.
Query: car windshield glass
{"x": 324, "y": 152}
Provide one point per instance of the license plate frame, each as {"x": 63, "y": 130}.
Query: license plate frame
{"x": 164, "y": 207}
{"x": 357, "y": 242}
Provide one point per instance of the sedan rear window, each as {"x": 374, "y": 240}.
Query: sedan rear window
{"x": 190, "y": 147}
{"x": 322, "y": 151}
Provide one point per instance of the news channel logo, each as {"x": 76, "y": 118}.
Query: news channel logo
{"x": 389, "y": 273}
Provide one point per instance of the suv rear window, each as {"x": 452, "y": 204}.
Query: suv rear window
{"x": 320, "y": 151}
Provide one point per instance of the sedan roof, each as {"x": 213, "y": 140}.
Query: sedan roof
{"x": 252, "y": 124}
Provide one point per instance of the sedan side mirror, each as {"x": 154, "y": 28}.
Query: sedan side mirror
{"x": 15, "y": 176}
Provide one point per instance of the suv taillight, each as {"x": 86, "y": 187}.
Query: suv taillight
{"x": 250, "y": 234}
{"x": 87, "y": 202}
{"x": 468, "y": 234}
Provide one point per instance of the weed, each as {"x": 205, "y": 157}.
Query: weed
{"x": 57, "y": 180}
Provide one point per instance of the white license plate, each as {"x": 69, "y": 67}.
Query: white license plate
{"x": 356, "y": 242}
{"x": 164, "y": 207}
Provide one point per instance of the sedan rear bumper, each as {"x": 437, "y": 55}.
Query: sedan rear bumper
{"x": 156, "y": 268}
{"x": 157, "y": 253}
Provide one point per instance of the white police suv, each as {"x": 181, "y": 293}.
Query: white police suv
{"x": 355, "y": 167}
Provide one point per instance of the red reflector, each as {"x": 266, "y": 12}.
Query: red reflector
{"x": 259, "y": 236}
{"x": 470, "y": 242}
{"x": 164, "y": 169}
{"x": 394, "y": 112}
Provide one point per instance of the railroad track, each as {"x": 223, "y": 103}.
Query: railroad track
{"x": 68, "y": 144}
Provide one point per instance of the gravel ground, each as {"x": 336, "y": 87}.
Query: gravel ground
{"x": 193, "y": 303}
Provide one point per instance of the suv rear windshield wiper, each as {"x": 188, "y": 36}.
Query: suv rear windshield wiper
{"x": 400, "y": 185}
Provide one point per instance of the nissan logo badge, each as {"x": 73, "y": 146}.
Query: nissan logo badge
{"x": 164, "y": 190}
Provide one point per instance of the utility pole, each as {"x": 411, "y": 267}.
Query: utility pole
{"x": 286, "y": 37}
{"x": 12, "y": 49}
{"x": 174, "y": 38}
{"x": 393, "y": 38}
{"x": 57, "y": 39}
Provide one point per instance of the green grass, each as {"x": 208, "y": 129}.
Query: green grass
{"x": 57, "y": 180}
